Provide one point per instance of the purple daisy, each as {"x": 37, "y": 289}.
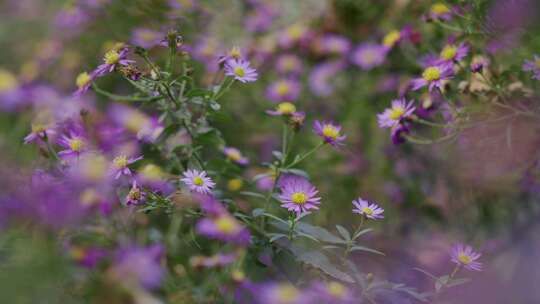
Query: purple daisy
{"x": 321, "y": 79}
{"x": 120, "y": 165}
{"x": 465, "y": 256}
{"x": 224, "y": 227}
{"x": 440, "y": 11}
{"x": 371, "y": 211}
{"x": 398, "y": 133}
{"x": 83, "y": 82}
{"x": 298, "y": 195}
{"x": 283, "y": 90}
{"x": 283, "y": 109}
{"x": 75, "y": 144}
{"x": 453, "y": 53}
{"x": 433, "y": 77}
{"x": 394, "y": 115}
{"x": 333, "y": 44}
{"x": 533, "y": 66}
{"x": 135, "y": 195}
{"x": 289, "y": 64}
{"x": 39, "y": 131}
{"x": 198, "y": 181}
{"x": 140, "y": 266}
{"x": 330, "y": 132}
{"x": 240, "y": 70}
{"x": 369, "y": 55}
{"x": 235, "y": 156}
{"x": 111, "y": 60}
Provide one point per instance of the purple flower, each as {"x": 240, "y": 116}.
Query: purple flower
{"x": 146, "y": 38}
{"x": 224, "y": 227}
{"x": 453, "y": 53}
{"x": 283, "y": 90}
{"x": 331, "y": 292}
{"x": 139, "y": 267}
{"x": 198, "y": 181}
{"x": 39, "y": 131}
{"x": 533, "y": 66}
{"x": 283, "y": 109}
{"x": 281, "y": 293}
{"x": 322, "y": 76}
{"x": 398, "y": 133}
{"x": 440, "y": 11}
{"x": 393, "y": 116}
{"x": 218, "y": 260}
{"x": 293, "y": 34}
{"x": 112, "y": 60}
{"x": 465, "y": 256}
{"x": 260, "y": 18}
{"x": 433, "y": 77}
{"x": 297, "y": 194}
{"x": 369, "y": 55}
{"x": 392, "y": 38}
{"x": 135, "y": 195}
{"x": 289, "y": 64}
{"x": 240, "y": 70}
{"x": 333, "y": 44}
{"x": 83, "y": 82}
{"x": 372, "y": 211}
{"x": 235, "y": 155}
{"x": 75, "y": 144}
{"x": 120, "y": 165}
{"x": 330, "y": 132}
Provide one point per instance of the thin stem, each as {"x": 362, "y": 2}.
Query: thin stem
{"x": 227, "y": 83}
{"x": 121, "y": 97}
{"x": 304, "y": 156}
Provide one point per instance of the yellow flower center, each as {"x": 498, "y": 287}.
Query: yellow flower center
{"x": 295, "y": 31}
{"x": 234, "y": 184}
{"x": 89, "y": 197}
{"x": 152, "y": 172}
{"x": 226, "y": 225}
{"x": 93, "y": 167}
{"x": 440, "y": 9}
{"x": 76, "y": 144}
{"x": 330, "y": 131}
{"x": 431, "y": 74}
{"x": 239, "y": 71}
{"x": 198, "y": 181}
{"x": 367, "y": 210}
{"x": 449, "y": 52}
{"x": 7, "y": 81}
{"x": 396, "y": 113}
{"x": 120, "y": 161}
{"x": 235, "y": 53}
{"x": 287, "y": 294}
{"x": 465, "y": 259}
{"x": 136, "y": 121}
{"x": 234, "y": 155}
{"x": 336, "y": 289}
{"x": 238, "y": 275}
{"x": 82, "y": 80}
{"x": 38, "y": 128}
{"x": 282, "y": 88}
{"x": 391, "y": 38}
{"x": 111, "y": 57}
{"x": 286, "y": 108}
{"x": 134, "y": 194}
{"x": 537, "y": 62}
{"x": 299, "y": 198}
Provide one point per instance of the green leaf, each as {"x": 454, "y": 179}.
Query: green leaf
{"x": 344, "y": 232}
{"x": 457, "y": 282}
{"x": 320, "y": 261}
{"x": 253, "y": 194}
{"x": 426, "y": 273}
{"x": 441, "y": 281}
{"x": 361, "y": 232}
{"x": 362, "y": 248}
{"x": 257, "y": 212}
{"x": 276, "y": 236}
{"x": 319, "y": 233}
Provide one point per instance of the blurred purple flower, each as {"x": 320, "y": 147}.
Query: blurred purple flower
{"x": 533, "y": 66}
{"x": 283, "y": 90}
{"x": 369, "y": 55}
{"x": 139, "y": 266}
{"x": 224, "y": 227}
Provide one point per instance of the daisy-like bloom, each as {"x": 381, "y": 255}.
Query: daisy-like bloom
{"x": 146, "y": 38}
{"x": 281, "y": 293}
{"x": 465, "y": 256}
{"x": 234, "y": 54}
{"x": 120, "y": 165}
{"x": 240, "y": 70}
{"x": 298, "y": 195}
{"x": 440, "y": 11}
{"x": 333, "y": 44}
{"x": 283, "y": 109}
{"x": 391, "y": 39}
{"x": 83, "y": 82}
{"x": 283, "y": 90}
{"x": 399, "y": 111}
{"x": 293, "y": 34}
{"x": 533, "y": 66}
{"x": 198, "y": 181}
{"x": 224, "y": 227}
{"x": 288, "y": 64}
{"x": 332, "y": 292}
{"x": 39, "y": 131}
{"x": 369, "y": 55}
{"x": 371, "y": 211}
{"x": 75, "y": 144}
{"x": 330, "y": 132}
{"x": 235, "y": 155}
{"x": 453, "y": 53}
{"x": 135, "y": 195}
{"x": 112, "y": 59}
{"x": 433, "y": 77}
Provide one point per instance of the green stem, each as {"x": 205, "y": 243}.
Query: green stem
{"x": 304, "y": 156}
{"x": 227, "y": 83}
{"x": 121, "y": 97}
